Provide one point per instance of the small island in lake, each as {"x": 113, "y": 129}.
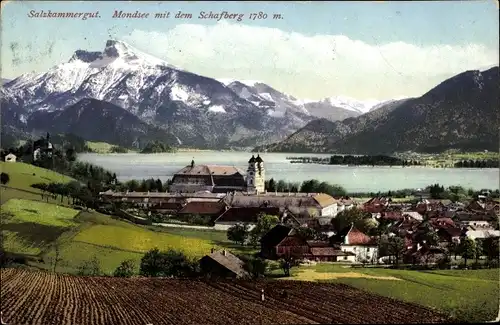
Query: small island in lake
{"x": 157, "y": 147}
{"x": 350, "y": 160}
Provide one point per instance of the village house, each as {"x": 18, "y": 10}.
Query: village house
{"x": 376, "y": 204}
{"x": 203, "y": 209}
{"x": 284, "y": 242}
{"x": 413, "y": 214}
{"x": 482, "y": 234}
{"x": 223, "y": 264}
{"x": 10, "y": 158}
{"x": 344, "y": 204}
{"x": 301, "y": 205}
{"x": 447, "y": 231}
{"x": 473, "y": 219}
{"x": 354, "y": 241}
{"x": 428, "y": 205}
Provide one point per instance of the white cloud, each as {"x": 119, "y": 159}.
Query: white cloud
{"x": 311, "y": 66}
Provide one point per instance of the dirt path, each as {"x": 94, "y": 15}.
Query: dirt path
{"x": 312, "y": 275}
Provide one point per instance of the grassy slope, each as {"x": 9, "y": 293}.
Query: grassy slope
{"x": 468, "y": 294}
{"x": 22, "y": 175}
{"x": 102, "y": 147}
{"x": 29, "y": 227}
{"x": 38, "y": 225}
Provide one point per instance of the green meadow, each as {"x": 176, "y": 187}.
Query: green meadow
{"x": 471, "y": 295}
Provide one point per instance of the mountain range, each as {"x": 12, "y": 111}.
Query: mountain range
{"x": 460, "y": 113}
{"x": 96, "y": 93}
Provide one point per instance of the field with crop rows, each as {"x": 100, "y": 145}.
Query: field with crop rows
{"x": 47, "y": 298}
{"x": 141, "y": 240}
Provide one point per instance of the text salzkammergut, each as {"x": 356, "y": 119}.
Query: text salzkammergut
{"x": 51, "y": 14}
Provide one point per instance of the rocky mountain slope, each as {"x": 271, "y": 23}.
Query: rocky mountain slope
{"x": 198, "y": 111}
{"x": 460, "y": 113}
{"x": 115, "y": 124}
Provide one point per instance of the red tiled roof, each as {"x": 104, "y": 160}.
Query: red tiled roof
{"x": 246, "y": 214}
{"x": 442, "y": 222}
{"x": 356, "y": 237}
{"x": 392, "y": 215}
{"x": 211, "y": 208}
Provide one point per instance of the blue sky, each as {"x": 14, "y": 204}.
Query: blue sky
{"x": 318, "y": 49}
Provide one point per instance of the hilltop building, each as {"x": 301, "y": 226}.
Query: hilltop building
{"x": 220, "y": 179}
{"x": 42, "y": 148}
{"x": 10, "y": 158}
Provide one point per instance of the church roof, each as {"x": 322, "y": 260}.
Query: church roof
{"x": 252, "y": 160}
{"x": 223, "y": 170}
{"x": 258, "y": 159}
{"x": 195, "y": 170}
{"x": 209, "y": 170}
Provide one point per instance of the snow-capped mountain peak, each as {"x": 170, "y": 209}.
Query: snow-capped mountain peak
{"x": 117, "y": 52}
{"x": 249, "y": 83}
{"x": 352, "y": 104}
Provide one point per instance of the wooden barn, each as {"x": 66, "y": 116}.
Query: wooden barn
{"x": 283, "y": 242}
{"x": 223, "y": 264}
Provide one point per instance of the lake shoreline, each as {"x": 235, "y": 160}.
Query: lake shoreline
{"x": 354, "y": 179}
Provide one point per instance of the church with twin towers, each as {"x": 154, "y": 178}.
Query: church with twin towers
{"x": 220, "y": 179}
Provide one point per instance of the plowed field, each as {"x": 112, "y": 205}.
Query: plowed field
{"x": 44, "y": 298}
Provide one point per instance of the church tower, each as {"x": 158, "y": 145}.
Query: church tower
{"x": 256, "y": 175}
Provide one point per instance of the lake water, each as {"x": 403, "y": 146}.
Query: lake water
{"x": 353, "y": 179}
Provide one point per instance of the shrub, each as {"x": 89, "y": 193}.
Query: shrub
{"x": 4, "y": 178}
{"x": 90, "y": 268}
{"x": 125, "y": 270}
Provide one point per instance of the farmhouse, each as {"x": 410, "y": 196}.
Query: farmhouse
{"x": 352, "y": 240}
{"x": 283, "y": 241}
{"x": 10, "y": 158}
{"x": 223, "y": 264}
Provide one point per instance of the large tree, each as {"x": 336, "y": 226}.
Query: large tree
{"x": 467, "y": 249}
{"x": 170, "y": 263}
{"x": 491, "y": 248}
{"x": 265, "y": 223}
{"x": 351, "y": 216}
{"x": 238, "y": 233}
{"x": 392, "y": 246}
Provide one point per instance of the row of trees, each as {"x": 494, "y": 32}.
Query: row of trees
{"x": 378, "y": 160}
{"x": 484, "y": 163}
{"x": 309, "y": 186}
{"x": 456, "y": 193}
{"x": 157, "y": 147}
{"x": 172, "y": 263}
{"x": 436, "y": 191}
{"x": 74, "y": 192}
